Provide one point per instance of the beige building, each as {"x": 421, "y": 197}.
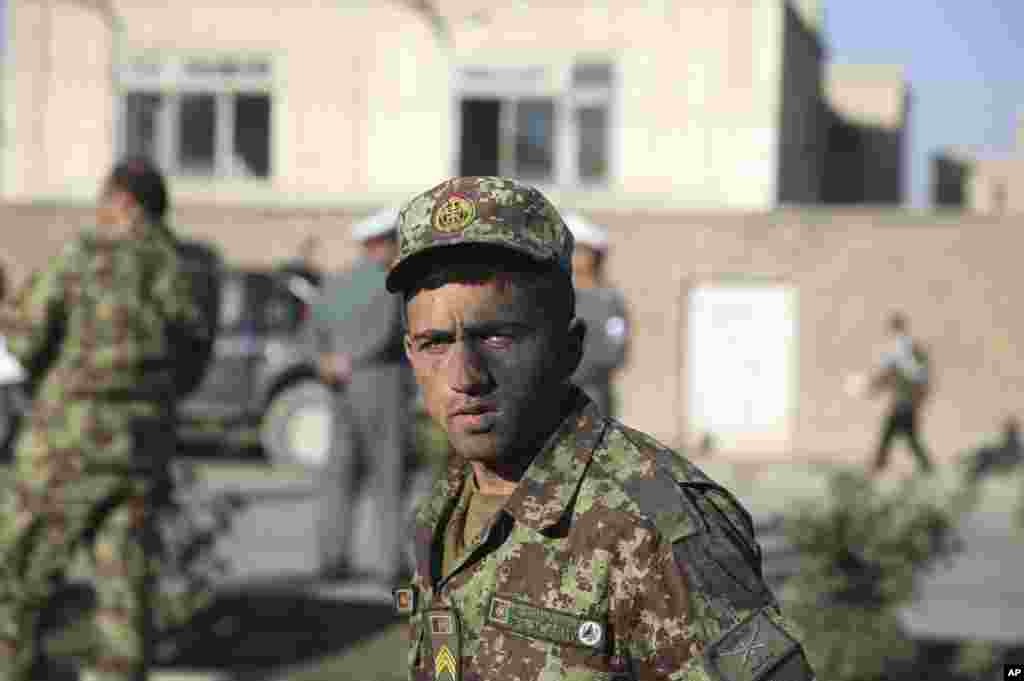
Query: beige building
{"x": 689, "y": 128}
{"x": 986, "y": 184}
{"x": 682, "y": 105}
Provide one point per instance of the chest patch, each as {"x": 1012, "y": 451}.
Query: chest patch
{"x": 546, "y": 624}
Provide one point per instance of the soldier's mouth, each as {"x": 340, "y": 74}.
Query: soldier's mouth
{"x": 475, "y": 421}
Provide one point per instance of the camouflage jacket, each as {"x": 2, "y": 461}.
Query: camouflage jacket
{"x": 615, "y": 558}
{"x": 106, "y": 318}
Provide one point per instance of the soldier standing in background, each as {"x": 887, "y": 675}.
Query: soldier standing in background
{"x": 603, "y": 309}
{"x": 358, "y": 336}
{"x": 308, "y": 265}
{"x": 104, "y": 332}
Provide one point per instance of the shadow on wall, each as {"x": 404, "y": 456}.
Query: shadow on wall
{"x": 863, "y": 164}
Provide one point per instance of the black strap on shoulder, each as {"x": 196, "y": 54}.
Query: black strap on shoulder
{"x": 722, "y": 560}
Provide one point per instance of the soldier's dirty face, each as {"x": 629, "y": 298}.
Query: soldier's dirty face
{"x": 492, "y": 367}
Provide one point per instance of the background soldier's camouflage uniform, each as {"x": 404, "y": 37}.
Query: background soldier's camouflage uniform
{"x": 614, "y": 557}
{"x": 102, "y": 327}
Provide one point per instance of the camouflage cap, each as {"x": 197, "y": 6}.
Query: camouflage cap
{"x": 480, "y": 210}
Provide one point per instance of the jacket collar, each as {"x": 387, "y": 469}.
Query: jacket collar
{"x": 544, "y": 495}
{"x": 547, "y": 488}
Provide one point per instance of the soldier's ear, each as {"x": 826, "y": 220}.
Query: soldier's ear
{"x": 407, "y": 344}
{"x": 575, "y": 336}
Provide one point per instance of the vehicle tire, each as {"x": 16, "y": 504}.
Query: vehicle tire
{"x": 296, "y": 427}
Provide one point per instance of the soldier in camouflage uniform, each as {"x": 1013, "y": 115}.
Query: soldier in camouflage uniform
{"x": 560, "y": 544}
{"x": 102, "y": 331}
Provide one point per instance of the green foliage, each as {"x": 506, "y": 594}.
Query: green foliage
{"x": 978, "y": 660}
{"x": 862, "y": 551}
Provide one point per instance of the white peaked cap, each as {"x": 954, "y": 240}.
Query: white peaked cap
{"x": 378, "y": 224}
{"x": 586, "y": 232}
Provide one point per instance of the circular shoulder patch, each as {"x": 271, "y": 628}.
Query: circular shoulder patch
{"x": 454, "y": 214}
{"x": 615, "y": 328}
{"x": 590, "y": 633}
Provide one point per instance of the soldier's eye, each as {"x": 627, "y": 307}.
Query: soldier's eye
{"x": 498, "y": 341}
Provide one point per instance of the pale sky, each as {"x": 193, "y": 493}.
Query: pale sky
{"x": 964, "y": 60}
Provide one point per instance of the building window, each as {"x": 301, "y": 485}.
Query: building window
{"x": 535, "y": 139}
{"x": 197, "y": 135}
{"x": 516, "y": 122}
{"x": 592, "y": 124}
{"x": 513, "y": 137}
{"x": 141, "y": 110}
{"x": 208, "y": 117}
{"x": 592, "y": 96}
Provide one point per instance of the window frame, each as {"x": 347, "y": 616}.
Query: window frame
{"x": 510, "y": 85}
{"x": 168, "y": 76}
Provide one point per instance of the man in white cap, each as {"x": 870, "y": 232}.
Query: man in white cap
{"x": 603, "y": 309}
{"x": 357, "y": 330}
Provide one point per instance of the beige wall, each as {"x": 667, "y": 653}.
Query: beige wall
{"x": 357, "y": 110}
{"x": 58, "y": 126}
{"x": 868, "y": 94}
{"x": 996, "y": 185}
{"x": 956, "y": 276}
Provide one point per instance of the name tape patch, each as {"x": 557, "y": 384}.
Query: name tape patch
{"x": 546, "y": 624}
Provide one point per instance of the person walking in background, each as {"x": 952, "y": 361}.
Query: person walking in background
{"x": 106, "y": 333}
{"x": 904, "y": 373}
{"x": 603, "y": 309}
{"x": 357, "y": 333}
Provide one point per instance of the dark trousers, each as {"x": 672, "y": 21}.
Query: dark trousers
{"x": 902, "y": 420}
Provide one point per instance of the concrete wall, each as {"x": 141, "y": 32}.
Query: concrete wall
{"x": 716, "y": 133}
{"x": 996, "y": 185}
{"x": 58, "y": 125}
{"x": 956, "y": 276}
